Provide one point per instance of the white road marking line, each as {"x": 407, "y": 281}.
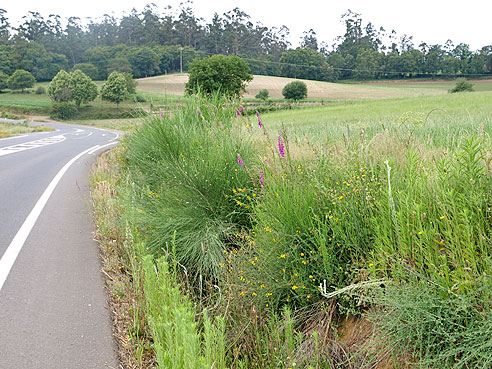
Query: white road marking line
{"x": 100, "y": 147}
{"x": 10, "y": 255}
{"x": 32, "y": 144}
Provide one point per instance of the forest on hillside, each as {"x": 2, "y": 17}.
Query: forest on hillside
{"x": 155, "y": 41}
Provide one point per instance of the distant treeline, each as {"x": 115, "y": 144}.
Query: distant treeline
{"x": 152, "y": 42}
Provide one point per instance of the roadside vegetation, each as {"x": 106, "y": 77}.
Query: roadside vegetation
{"x": 264, "y": 243}
{"x": 10, "y": 130}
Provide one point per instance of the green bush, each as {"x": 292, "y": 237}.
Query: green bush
{"x": 40, "y": 90}
{"x": 462, "y": 85}
{"x": 441, "y": 328}
{"x": 20, "y": 80}
{"x": 63, "y": 111}
{"x": 296, "y": 90}
{"x": 222, "y": 74}
{"x": 262, "y": 94}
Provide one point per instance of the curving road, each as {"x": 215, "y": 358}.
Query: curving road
{"x": 53, "y": 311}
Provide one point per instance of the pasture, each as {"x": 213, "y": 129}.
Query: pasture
{"x": 173, "y": 84}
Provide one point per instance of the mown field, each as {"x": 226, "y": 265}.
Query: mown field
{"x": 174, "y": 84}
{"x": 357, "y": 234}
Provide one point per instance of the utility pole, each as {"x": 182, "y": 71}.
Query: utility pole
{"x": 181, "y": 59}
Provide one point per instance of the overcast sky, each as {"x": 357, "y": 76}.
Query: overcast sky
{"x": 432, "y": 21}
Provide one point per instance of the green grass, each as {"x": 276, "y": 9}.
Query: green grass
{"x": 440, "y": 115}
{"x": 126, "y": 124}
{"x": 374, "y": 189}
{"x": 9, "y": 130}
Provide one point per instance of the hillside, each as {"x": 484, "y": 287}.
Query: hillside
{"x": 174, "y": 84}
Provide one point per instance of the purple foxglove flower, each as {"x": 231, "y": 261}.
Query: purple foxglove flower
{"x": 242, "y": 109}
{"x": 281, "y": 146}
{"x": 237, "y": 112}
{"x": 259, "y": 123}
{"x": 198, "y": 111}
{"x": 257, "y": 114}
{"x": 261, "y": 178}
{"x": 162, "y": 114}
{"x": 239, "y": 160}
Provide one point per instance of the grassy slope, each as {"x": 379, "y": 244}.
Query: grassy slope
{"x": 441, "y": 111}
{"x": 174, "y": 84}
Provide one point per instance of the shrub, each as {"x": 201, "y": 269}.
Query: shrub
{"x": 63, "y": 111}
{"x": 443, "y": 329}
{"x": 20, "y": 80}
{"x": 139, "y": 98}
{"x": 296, "y": 90}
{"x": 462, "y": 85}
{"x": 40, "y": 90}
{"x": 226, "y": 75}
{"x": 262, "y": 94}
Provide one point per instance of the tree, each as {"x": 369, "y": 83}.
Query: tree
{"x": 60, "y": 87}
{"x": 3, "y": 81}
{"x": 75, "y": 86}
{"x": 296, "y": 90}
{"x": 227, "y": 75}
{"x": 114, "y": 90}
{"x": 309, "y": 40}
{"x": 83, "y": 89}
{"x": 20, "y": 80}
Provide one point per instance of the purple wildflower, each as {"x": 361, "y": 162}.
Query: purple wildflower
{"x": 261, "y": 178}
{"x": 281, "y": 146}
{"x": 257, "y": 114}
{"x": 259, "y": 123}
{"x": 162, "y": 114}
{"x": 266, "y": 160}
{"x": 242, "y": 109}
{"x": 238, "y": 113}
{"x": 239, "y": 160}
{"x": 198, "y": 111}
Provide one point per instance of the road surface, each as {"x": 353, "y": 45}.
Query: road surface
{"x": 53, "y": 309}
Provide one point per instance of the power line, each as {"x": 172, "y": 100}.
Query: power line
{"x": 368, "y": 70}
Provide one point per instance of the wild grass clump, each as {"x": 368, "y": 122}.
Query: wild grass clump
{"x": 438, "y": 328}
{"x": 186, "y": 167}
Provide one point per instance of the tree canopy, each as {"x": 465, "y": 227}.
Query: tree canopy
{"x": 21, "y": 80}
{"x": 155, "y": 41}
{"x": 227, "y": 75}
{"x": 114, "y": 90}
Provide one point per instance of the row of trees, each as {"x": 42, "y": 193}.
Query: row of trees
{"x": 152, "y": 42}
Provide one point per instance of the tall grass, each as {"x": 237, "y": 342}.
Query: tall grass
{"x": 186, "y": 167}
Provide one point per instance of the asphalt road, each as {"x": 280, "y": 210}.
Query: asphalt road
{"x": 53, "y": 309}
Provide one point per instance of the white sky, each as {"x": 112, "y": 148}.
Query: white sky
{"x": 432, "y": 21}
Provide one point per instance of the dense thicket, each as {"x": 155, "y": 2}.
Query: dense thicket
{"x": 152, "y": 42}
